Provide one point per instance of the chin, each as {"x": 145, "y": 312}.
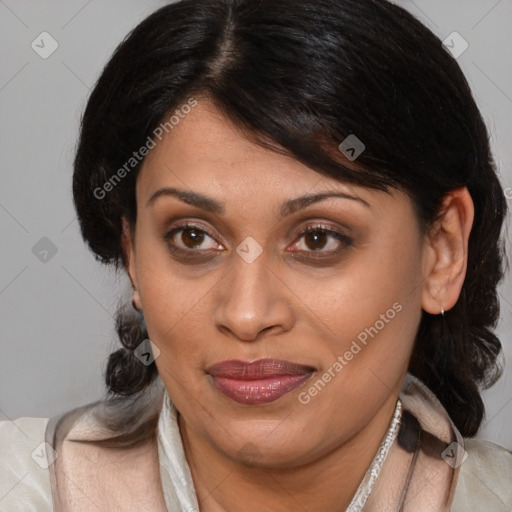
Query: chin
{"x": 268, "y": 448}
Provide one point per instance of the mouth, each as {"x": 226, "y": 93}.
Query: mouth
{"x": 258, "y": 382}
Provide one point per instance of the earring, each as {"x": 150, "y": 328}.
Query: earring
{"x": 442, "y": 311}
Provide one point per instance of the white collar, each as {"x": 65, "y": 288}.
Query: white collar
{"x": 177, "y": 483}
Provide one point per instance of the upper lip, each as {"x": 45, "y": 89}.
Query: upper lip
{"x": 260, "y": 369}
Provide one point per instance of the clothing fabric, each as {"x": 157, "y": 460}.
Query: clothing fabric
{"x": 416, "y": 468}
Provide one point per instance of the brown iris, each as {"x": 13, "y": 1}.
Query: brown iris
{"x": 193, "y": 236}
{"x": 318, "y": 237}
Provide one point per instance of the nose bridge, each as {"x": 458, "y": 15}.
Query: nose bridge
{"x": 251, "y": 298}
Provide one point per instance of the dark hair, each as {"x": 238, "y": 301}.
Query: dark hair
{"x": 298, "y": 77}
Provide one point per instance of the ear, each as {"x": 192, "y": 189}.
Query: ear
{"x": 447, "y": 252}
{"x": 128, "y": 245}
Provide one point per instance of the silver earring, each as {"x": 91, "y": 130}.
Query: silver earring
{"x": 442, "y": 311}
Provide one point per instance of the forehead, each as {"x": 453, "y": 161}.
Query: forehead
{"x": 205, "y": 151}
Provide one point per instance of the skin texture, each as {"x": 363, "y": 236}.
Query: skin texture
{"x": 284, "y": 455}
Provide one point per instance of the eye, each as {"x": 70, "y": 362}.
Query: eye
{"x": 319, "y": 237}
{"x": 190, "y": 238}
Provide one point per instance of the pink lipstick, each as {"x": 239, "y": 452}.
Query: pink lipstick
{"x": 261, "y": 381}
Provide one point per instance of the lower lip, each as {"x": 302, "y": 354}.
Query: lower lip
{"x": 261, "y": 391}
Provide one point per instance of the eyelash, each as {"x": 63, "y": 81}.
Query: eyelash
{"x": 317, "y": 228}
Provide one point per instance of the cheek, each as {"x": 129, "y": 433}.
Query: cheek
{"x": 369, "y": 313}
{"x": 372, "y": 319}
{"x": 376, "y": 276}
{"x": 175, "y": 315}
{"x": 169, "y": 301}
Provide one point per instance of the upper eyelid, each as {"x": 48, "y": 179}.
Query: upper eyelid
{"x": 320, "y": 225}
{"x": 306, "y": 214}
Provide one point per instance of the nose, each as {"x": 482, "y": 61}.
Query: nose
{"x": 253, "y": 300}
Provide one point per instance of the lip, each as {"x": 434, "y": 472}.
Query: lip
{"x": 258, "y": 382}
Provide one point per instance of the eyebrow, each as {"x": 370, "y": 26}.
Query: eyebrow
{"x": 212, "y": 205}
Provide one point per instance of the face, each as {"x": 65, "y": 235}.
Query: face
{"x": 324, "y": 295}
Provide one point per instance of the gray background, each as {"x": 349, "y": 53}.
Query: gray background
{"x": 57, "y": 315}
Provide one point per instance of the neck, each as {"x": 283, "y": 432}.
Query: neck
{"x": 324, "y": 485}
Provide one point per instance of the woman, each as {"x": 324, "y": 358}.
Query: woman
{"x": 303, "y": 197}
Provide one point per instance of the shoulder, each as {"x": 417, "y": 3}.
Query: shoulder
{"x": 107, "y": 455}
{"x": 485, "y": 478}
{"x": 24, "y": 461}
